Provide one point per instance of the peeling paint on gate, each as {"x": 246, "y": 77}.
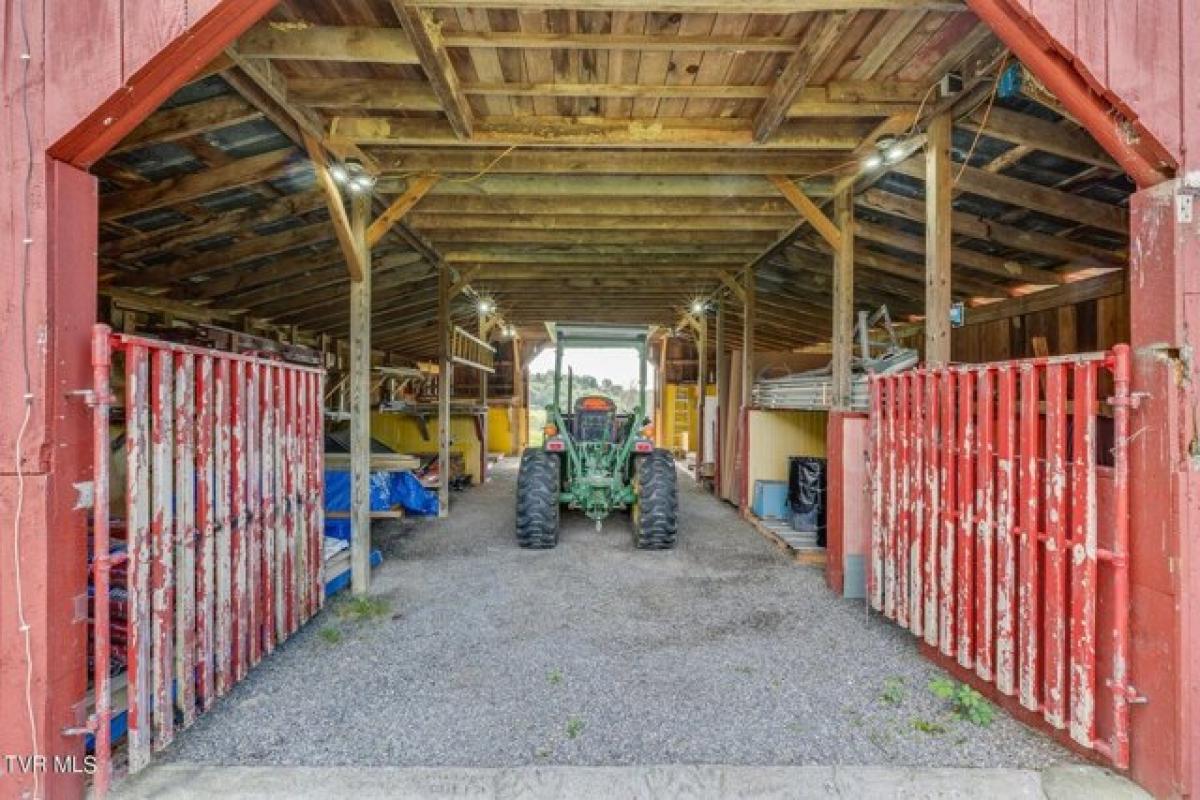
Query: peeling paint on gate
{"x": 985, "y": 530}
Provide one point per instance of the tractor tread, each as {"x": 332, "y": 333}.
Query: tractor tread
{"x": 656, "y": 518}
{"x": 537, "y": 500}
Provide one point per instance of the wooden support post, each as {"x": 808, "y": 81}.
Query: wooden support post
{"x": 360, "y": 405}
{"x": 484, "y": 327}
{"x": 722, "y": 392}
{"x": 748, "y": 336}
{"x": 445, "y": 387}
{"x": 519, "y": 432}
{"x": 939, "y": 189}
{"x": 701, "y": 378}
{"x": 843, "y": 300}
{"x": 660, "y": 394}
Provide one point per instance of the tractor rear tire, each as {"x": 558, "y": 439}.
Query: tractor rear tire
{"x": 656, "y": 509}
{"x": 537, "y": 500}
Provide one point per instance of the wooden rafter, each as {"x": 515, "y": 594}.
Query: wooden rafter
{"x": 307, "y": 42}
{"x": 426, "y": 38}
{"x": 809, "y": 210}
{"x": 337, "y": 208}
{"x": 399, "y": 207}
{"x": 706, "y": 6}
{"x": 796, "y": 75}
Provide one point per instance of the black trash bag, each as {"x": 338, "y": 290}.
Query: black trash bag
{"x": 806, "y": 494}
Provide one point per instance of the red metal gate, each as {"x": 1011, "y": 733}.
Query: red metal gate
{"x": 1000, "y": 507}
{"x": 219, "y": 554}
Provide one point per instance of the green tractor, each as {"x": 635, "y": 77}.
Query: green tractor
{"x": 594, "y": 459}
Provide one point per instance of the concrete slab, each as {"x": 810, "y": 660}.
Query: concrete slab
{"x": 702, "y": 782}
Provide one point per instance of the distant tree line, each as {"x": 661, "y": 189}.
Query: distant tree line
{"x": 541, "y": 390}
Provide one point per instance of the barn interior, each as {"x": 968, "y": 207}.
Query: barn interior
{"x": 397, "y": 192}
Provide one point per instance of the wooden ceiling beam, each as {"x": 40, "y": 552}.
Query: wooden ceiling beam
{"x": 302, "y": 41}
{"x": 607, "y": 162}
{"x": 598, "y": 131}
{"x": 399, "y": 207}
{"x": 373, "y": 93}
{"x": 425, "y": 34}
{"x": 809, "y": 210}
{"x": 186, "y": 188}
{"x": 337, "y": 208}
{"x": 1032, "y": 197}
{"x": 997, "y": 232}
{"x": 648, "y": 206}
{"x": 608, "y": 254}
{"x": 184, "y": 122}
{"x": 1035, "y": 133}
{"x": 818, "y": 42}
{"x": 586, "y": 236}
{"x": 546, "y": 222}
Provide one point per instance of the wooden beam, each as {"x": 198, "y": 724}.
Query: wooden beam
{"x": 843, "y": 301}
{"x": 987, "y": 230}
{"x": 426, "y": 36}
{"x": 939, "y": 193}
{"x": 447, "y": 160}
{"x": 809, "y": 210}
{"x": 570, "y": 40}
{"x": 463, "y": 281}
{"x": 445, "y": 387}
{"x": 563, "y": 187}
{"x": 731, "y": 283}
{"x": 1109, "y": 284}
{"x": 684, "y": 132}
{"x": 360, "y": 403}
{"x": 598, "y": 222}
{"x": 337, "y": 209}
{"x": 374, "y": 93}
{"x": 302, "y": 41}
{"x": 818, "y": 43}
{"x": 1032, "y": 196}
{"x": 185, "y": 188}
{"x": 184, "y": 122}
{"x": 399, "y": 207}
{"x": 750, "y": 291}
{"x": 1035, "y": 133}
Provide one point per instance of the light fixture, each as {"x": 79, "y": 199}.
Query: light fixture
{"x": 485, "y": 306}
{"x": 353, "y": 175}
{"x": 510, "y": 331}
{"x": 873, "y": 161}
{"x": 896, "y": 153}
{"x": 697, "y": 306}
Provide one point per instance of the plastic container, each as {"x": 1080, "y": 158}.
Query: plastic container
{"x": 770, "y": 500}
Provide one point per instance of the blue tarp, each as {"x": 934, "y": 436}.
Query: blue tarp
{"x": 388, "y": 490}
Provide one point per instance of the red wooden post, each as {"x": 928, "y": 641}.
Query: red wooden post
{"x": 223, "y": 538}
{"x": 102, "y": 559}
{"x": 965, "y": 563}
{"x": 1083, "y": 547}
{"x": 202, "y": 597}
{"x": 254, "y": 510}
{"x": 891, "y": 512}
{"x": 139, "y": 669}
{"x": 1119, "y": 681}
{"x": 948, "y": 483}
{"x": 875, "y": 570}
{"x": 162, "y": 550}
{"x": 1028, "y": 569}
{"x": 985, "y": 575}
{"x": 933, "y": 452}
{"x": 239, "y": 608}
{"x": 183, "y": 591}
{"x": 1006, "y": 546}
{"x": 1054, "y": 582}
{"x": 919, "y": 533}
{"x": 901, "y": 499}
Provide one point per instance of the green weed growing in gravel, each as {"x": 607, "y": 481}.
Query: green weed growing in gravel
{"x": 364, "y": 608}
{"x": 967, "y": 704}
{"x": 554, "y": 677}
{"x": 575, "y": 726}
{"x": 330, "y": 635}
{"x": 927, "y": 726}
{"x": 893, "y": 691}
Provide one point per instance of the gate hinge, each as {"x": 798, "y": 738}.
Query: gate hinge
{"x": 90, "y": 398}
{"x": 85, "y": 729}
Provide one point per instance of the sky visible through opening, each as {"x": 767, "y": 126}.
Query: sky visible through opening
{"x": 619, "y": 365}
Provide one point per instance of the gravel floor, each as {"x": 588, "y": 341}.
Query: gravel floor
{"x": 719, "y": 652}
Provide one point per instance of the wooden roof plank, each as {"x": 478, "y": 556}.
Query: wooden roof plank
{"x": 426, "y": 37}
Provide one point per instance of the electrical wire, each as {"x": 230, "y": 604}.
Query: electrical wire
{"x": 983, "y": 123}
{"x": 27, "y": 390}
